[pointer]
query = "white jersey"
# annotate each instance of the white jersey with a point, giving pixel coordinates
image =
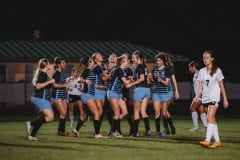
(195, 81)
(211, 90)
(74, 86)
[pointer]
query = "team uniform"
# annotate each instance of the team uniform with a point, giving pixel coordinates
(88, 90)
(141, 90)
(115, 88)
(74, 91)
(211, 90)
(41, 97)
(100, 93)
(160, 91)
(194, 113)
(59, 93)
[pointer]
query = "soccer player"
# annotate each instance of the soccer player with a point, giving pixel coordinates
(59, 94)
(160, 96)
(41, 99)
(211, 86)
(141, 93)
(74, 92)
(88, 77)
(101, 76)
(196, 106)
(114, 95)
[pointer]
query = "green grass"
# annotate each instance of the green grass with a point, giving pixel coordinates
(182, 146)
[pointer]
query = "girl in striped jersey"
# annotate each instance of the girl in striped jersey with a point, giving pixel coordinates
(59, 94)
(101, 76)
(114, 95)
(141, 93)
(88, 77)
(160, 96)
(41, 98)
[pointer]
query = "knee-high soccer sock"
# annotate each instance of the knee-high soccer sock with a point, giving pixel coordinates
(146, 123)
(114, 125)
(195, 118)
(96, 124)
(165, 123)
(119, 126)
(37, 125)
(79, 124)
(61, 125)
(33, 122)
(210, 130)
(157, 124)
(215, 133)
(135, 126)
(204, 119)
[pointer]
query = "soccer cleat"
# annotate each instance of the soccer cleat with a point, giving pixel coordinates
(158, 134)
(75, 132)
(63, 133)
(164, 132)
(30, 138)
(216, 145)
(148, 133)
(28, 128)
(116, 134)
(100, 136)
(205, 143)
(193, 129)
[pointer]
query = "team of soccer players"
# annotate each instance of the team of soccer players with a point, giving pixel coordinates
(97, 84)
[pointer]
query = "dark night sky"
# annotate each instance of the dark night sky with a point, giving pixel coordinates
(183, 27)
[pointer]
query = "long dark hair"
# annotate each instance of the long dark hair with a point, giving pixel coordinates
(194, 64)
(139, 55)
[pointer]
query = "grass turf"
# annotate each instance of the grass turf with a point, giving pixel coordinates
(182, 146)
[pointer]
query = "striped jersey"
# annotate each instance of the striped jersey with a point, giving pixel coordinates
(60, 78)
(98, 70)
(43, 93)
(116, 81)
(158, 87)
(88, 74)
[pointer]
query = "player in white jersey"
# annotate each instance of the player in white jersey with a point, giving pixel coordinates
(74, 92)
(211, 86)
(196, 106)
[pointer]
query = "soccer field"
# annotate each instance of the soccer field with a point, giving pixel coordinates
(182, 146)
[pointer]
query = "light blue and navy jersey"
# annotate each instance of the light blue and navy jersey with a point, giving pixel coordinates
(116, 81)
(88, 74)
(158, 87)
(141, 69)
(60, 78)
(110, 71)
(98, 70)
(43, 93)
